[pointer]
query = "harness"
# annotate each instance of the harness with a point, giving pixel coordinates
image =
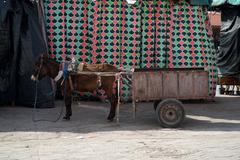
(66, 73)
(99, 81)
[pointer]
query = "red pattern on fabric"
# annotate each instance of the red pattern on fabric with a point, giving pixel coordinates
(122, 53)
(84, 31)
(94, 53)
(63, 30)
(115, 29)
(170, 53)
(149, 34)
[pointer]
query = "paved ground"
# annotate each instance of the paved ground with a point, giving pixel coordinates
(210, 131)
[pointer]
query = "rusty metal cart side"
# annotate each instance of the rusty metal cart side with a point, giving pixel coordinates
(170, 86)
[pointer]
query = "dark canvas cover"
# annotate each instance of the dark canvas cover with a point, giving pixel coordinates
(228, 59)
(21, 42)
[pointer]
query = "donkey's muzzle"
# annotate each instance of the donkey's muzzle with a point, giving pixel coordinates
(34, 78)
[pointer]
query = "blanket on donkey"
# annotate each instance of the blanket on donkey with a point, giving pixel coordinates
(96, 68)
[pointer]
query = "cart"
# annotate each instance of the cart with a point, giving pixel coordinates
(166, 88)
(229, 85)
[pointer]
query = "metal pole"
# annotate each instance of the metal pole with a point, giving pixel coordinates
(134, 109)
(118, 102)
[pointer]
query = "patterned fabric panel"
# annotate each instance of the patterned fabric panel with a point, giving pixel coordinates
(144, 35)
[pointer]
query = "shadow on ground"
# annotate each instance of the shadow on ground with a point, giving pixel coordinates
(221, 115)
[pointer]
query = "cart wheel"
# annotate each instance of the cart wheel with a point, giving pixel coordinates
(170, 113)
(238, 93)
(221, 90)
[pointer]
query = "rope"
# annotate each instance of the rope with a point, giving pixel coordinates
(35, 108)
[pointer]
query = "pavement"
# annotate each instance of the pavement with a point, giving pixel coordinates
(211, 130)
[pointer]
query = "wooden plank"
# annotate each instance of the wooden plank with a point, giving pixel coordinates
(154, 90)
(201, 85)
(181, 84)
(186, 84)
(170, 85)
(140, 85)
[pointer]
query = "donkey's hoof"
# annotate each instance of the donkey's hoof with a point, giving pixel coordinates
(67, 118)
(110, 119)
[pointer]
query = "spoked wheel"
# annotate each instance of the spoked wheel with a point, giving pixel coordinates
(170, 113)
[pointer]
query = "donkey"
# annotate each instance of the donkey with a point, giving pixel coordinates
(45, 66)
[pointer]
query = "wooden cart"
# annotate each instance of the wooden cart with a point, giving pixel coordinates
(229, 84)
(166, 87)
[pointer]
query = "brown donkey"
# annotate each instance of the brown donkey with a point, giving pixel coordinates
(78, 82)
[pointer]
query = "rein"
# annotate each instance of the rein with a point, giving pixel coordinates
(35, 108)
(41, 64)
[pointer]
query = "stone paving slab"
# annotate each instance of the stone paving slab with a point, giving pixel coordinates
(211, 130)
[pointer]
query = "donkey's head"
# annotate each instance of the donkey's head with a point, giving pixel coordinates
(42, 68)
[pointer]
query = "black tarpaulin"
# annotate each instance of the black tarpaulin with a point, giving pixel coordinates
(7, 56)
(228, 59)
(21, 42)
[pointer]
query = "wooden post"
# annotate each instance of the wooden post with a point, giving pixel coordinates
(118, 102)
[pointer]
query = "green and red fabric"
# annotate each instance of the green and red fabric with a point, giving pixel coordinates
(144, 35)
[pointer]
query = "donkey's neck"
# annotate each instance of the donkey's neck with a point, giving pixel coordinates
(54, 68)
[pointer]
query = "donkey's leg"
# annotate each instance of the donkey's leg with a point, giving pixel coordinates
(112, 112)
(68, 103)
(113, 100)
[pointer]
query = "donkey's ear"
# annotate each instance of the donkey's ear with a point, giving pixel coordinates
(67, 58)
